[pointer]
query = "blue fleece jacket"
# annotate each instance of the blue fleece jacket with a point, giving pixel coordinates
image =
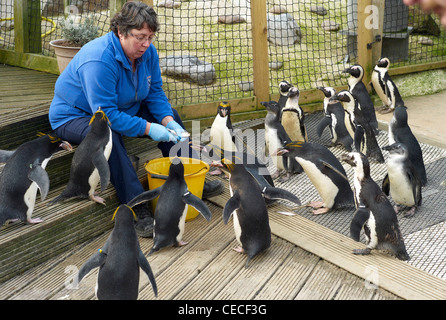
(100, 75)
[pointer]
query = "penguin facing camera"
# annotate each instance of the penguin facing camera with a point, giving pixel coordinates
(399, 131)
(359, 91)
(275, 138)
(325, 172)
(334, 118)
(249, 211)
(364, 139)
(119, 261)
(90, 162)
(384, 86)
(24, 173)
(374, 213)
(284, 87)
(402, 181)
(221, 133)
(171, 209)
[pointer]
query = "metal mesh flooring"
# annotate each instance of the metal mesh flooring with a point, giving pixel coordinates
(424, 233)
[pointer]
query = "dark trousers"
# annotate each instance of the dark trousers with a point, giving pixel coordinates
(122, 173)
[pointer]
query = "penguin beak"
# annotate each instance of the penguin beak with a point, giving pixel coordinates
(346, 70)
(280, 151)
(334, 98)
(66, 146)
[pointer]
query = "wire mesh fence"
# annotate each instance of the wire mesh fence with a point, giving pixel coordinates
(309, 42)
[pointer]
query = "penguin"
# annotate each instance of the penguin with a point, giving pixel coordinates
(364, 139)
(221, 133)
(275, 137)
(385, 87)
(359, 91)
(90, 162)
(119, 261)
(24, 173)
(334, 119)
(293, 117)
(325, 172)
(249, 211)
(399, 131)
(402, 180)
(374, 213)
(171, 209)
(284, 87)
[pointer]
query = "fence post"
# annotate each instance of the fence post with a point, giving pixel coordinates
(115, 6)
(27, 17)
(365, 37)
(260, 50)
(377, 46)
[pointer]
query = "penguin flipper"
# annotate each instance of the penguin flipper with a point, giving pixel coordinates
(386, 185)
(38, 175)
(360, 217)
(278, 193)
(145, 196)
(5, 155)
(197, 203)
(359, 137)
(101, 163)
(231, 205)
(334, 169)
(325, 122)
(145, 266)
(94, 261)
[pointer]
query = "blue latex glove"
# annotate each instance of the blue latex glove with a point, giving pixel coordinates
(159, 133)
(173, 125)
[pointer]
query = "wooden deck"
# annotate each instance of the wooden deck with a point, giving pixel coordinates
(305, 261)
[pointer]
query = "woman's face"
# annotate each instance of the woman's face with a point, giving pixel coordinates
(136, 42)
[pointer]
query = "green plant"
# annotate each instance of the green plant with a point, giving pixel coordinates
(79, 33)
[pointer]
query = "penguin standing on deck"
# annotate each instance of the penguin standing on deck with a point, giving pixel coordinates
(275, 137)
(284, 87)
(374, 212)
(359, 91)
(23, 174)
(119, 261)
(249, 211)
(385, 87)
(90, 162)
(402, 180)
(334, 119)
(365, 139)
(399, 131)
(171, 208)
(325, 172)
(221, 133)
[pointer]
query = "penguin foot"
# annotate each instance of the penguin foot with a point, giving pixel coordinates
(97, 199)
(362, 252)
(396, 208)
(181, 243)
(275, 175)
(239, 250)
(315, 204)
(410, 213)
(385, 110)
(285, 178)
(216, 172)
(33, 221)
(8, 222)
(321, 211)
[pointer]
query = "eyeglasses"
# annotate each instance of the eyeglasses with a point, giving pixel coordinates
(142, 38)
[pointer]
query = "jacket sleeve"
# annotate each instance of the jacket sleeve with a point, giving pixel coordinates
(99, 82)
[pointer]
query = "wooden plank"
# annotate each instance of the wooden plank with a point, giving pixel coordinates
(365, 36)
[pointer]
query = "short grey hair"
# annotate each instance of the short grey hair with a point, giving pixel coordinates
(134, 15)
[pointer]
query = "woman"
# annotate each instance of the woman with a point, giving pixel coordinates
(120, 73)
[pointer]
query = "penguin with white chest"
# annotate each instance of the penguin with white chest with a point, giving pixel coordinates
(119, 261)
(284, 87)
(374, 212)
(171, 208)
(221, 133)
(90, 162)
(23, 174)
(384, 86)
(364, 139)
(402, 181)
(359, 91)
(334, 119)
(399, 131)
(249, 211)
(325, 172)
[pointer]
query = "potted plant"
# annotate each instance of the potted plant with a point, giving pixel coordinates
(74, 36)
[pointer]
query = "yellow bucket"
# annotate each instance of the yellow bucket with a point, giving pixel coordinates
(194, 174)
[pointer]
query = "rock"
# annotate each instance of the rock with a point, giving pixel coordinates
(188, 67)
(7, 25)
(169, 4)
(422, 22)
(275, 65)
(278, 10)
(319, 10)
(283, 29)
(426, 41)
(330, 25)
(231, 19)
(246, 85)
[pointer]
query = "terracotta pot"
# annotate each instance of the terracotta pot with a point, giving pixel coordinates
(63, 53)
